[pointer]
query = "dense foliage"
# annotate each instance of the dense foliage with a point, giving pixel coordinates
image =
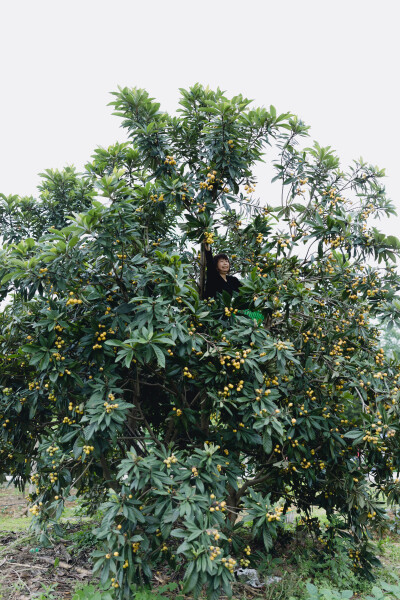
(119, 381)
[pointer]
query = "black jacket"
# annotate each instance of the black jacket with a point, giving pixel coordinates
(215, 283)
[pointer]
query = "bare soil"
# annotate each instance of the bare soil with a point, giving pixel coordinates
(25, 572)
(12, 503)
(25, 568)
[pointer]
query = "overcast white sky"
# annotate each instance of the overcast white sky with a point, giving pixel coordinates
(335, 64)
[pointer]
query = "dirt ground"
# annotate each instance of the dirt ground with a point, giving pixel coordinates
(26, 569)
(12, 503)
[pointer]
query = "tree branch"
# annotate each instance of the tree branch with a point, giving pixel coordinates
(258, 479)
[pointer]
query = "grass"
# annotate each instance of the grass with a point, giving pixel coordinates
(23, 523)
(15, 517)
(14, 523)
(13, 510)
(388, 549)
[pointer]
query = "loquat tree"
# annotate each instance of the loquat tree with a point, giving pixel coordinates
(123, 385)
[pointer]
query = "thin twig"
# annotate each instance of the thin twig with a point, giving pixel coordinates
(14, 564)
(83, 472)
(147, 425)
(21, 580)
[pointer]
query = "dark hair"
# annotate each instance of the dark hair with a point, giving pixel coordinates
(218, 257)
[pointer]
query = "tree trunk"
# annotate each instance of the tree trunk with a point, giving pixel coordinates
(204, 414)
(232, 504)
(202, 280)
(107, 475)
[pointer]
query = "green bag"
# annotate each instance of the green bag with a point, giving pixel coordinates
(253, 314)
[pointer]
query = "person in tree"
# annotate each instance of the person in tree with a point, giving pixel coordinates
(218, 279)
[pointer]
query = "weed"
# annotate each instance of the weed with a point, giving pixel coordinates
(47, 593)
(313, 593)
(89, 592)
(141, 593)
(82, 538)
(393, 589)
(289, 586)
(385, 591)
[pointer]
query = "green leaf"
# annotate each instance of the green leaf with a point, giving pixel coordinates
(267, 441)
(159, 355)
(190, 578)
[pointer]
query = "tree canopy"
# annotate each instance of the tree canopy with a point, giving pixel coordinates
(121, 384)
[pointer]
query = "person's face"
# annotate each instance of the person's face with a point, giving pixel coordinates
(223, 266)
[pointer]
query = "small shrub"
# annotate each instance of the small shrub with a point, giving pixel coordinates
(313, 593)
(89, 592)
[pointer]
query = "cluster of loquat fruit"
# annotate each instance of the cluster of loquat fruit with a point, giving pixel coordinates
(209, 183)
(52, 450)
(32, 385)
(76, 409)
(215, 551)
(282, 243)
(250, 188)
(155, 198)
(208, 237)
(59, 343)
(101, 337)
(355, 555)
(201, 207)
(229, 311)
(110, 407)
(229, 563)
(72, 300)
(187, 373)
(35, 510)
(170, 460)
(274, 516)
(216, 506)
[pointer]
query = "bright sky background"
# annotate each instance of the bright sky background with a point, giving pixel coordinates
(334, 64)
